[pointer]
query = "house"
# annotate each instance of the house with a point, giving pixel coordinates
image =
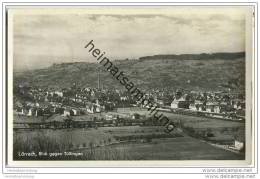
(53, 109)
(29, 112)
(46, 111)
(239, 145)
(20, 111)
(217, 109)
(59, 93)
(241, 105)
(66, 112)
(135, 116)
(226, 108)
(201, 108)
(212, 107)
(193, 107)
(199, 105)
(123, 98)
(180, 103)
(39, 111)
(98, 109)
(239, 141)
(94, 107)
(91, 108)
(74, 112)
(32, 112)
(110, 117)
(160, 102)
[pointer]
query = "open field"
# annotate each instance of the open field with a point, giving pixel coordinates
(221, 131)
(182, 148)
(67, 138)
(140, 143)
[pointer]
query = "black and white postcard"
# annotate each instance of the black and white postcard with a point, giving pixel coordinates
(130, 86)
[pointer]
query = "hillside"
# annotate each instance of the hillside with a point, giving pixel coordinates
(203, 72)
(202, 56)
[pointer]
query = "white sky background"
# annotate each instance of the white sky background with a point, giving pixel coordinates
(43, 37)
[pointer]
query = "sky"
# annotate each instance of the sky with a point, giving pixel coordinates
(42, 37)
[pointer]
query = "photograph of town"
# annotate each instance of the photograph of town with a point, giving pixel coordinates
(189, 63)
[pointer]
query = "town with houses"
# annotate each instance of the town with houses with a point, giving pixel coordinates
(36, 101)
(74, 107)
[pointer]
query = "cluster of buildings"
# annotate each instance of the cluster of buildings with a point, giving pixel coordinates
(37, 101)
(217, 102)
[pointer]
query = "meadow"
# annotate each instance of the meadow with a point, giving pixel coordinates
(180, 148)
(117, 143)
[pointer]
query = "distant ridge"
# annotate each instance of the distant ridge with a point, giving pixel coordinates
(217, 71)
(202, 56)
